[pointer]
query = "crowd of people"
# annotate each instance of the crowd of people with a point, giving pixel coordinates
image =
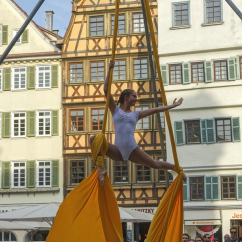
(207, 237)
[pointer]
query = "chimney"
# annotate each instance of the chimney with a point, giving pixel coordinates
(55, 31)
(49, 20)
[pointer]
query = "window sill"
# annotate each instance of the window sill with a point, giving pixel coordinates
(43, 88)
(180, 27)
(19, 90)
(75, 84)
(43, 136)
(211, 24)
(29, 190)
(118, 35)
(96, 37)
(19, 137)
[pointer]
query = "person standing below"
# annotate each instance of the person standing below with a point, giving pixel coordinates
(185, 237)
(233, 237)
(198, 239)
(207, 238)
(226, 236)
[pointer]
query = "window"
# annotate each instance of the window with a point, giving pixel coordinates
(121, 171)
(43, 123)
(240, 61)
(162, 177)
(162, 119)
(97, 119)
(192, 132)
(180, 14)
(143, 123)
(44, 173)
(19, 174)
(19, 124)
(141, 68)
(143, 174)
(76, 120)
(228, 187)
(119, 71)
(223, 130)
(237, 224)
(175, 72)
(76, 72)
(198, 72)
(104, 162)
(220, 70)
(97, 25)
(197, 188)
(44, 76)
(213, 11)
(7, 236)
(97, 71)
(121, 23)
(77, 171)
(1, 79)
(40, 236)
(1, 27)
(138, 23)
(19, 78)
(14, 33)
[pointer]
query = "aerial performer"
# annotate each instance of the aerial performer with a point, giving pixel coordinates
(124, 120)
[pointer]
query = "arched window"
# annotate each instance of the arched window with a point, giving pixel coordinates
(8, 236)
(39, 236)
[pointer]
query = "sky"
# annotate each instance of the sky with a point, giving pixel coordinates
(61, 8)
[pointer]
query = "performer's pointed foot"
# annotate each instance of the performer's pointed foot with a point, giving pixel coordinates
(101, 173)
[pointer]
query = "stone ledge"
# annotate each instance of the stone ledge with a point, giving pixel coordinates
(29, 190)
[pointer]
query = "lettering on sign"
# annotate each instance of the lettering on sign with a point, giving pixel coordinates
(237, 215)
(145, 210)
(199, 223)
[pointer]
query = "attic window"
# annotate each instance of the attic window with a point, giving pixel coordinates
(14, 33)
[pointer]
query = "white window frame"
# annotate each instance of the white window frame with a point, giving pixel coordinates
(37, 173)
(141, 107)
(15, 31)
(12, 124)
(205, 12)
(12, 173)
(173, 13)
(37, 123)
(9, 232)
(13, 72)
(1, 34)
(1, 75)
(37, 76)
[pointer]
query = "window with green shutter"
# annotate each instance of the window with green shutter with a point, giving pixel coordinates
(54, 76)
(164, 75)
(239, 187)
(232, 72)
(5, 35)
(186, 73)
(7, 79)
(6, 125)
(208, 71)
(236, 129)
(179, 132)
(6, 175)
(25, 36)
(31, 123)
(203, 131)
(208, 188)
(186, 190)
(31, 173)
(210, 131)
(55, 122)
(215, 188)
(55, 173)
(31, 77)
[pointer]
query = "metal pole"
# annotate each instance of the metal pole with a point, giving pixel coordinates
(233, 6)
(19, 33)
(154, 88)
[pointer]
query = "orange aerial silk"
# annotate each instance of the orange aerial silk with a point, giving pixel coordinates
(90, 212)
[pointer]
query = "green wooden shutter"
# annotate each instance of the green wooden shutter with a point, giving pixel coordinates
(31, 77)
(208, 71)
(25, 36)
(6, 125)
(232, 69)
(164, 75)
(186, 190)
(236, 129)
(5, 35)
(55, 122)
(239, 187)
(215, 188)
(236, 68)
(208, 188)
(31, 173)
(210, 131)
(7, 79)
(54, 76)
(6, 174)
(55, 173)
(203, 131)
(31, 123)
(179, 132)
(186, 73)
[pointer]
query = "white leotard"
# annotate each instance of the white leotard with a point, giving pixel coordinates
(124, 126)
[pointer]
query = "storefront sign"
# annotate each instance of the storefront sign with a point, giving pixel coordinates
(237, 215)
(146, 210)
(207, 222)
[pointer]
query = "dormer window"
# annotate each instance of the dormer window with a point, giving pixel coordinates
(14, 33)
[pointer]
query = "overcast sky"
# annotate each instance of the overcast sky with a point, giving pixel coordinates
(61, 8)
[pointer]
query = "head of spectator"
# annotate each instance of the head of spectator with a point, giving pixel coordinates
(240, 239)
(226, 236)
(191, 240)
(198, 239)
(233, 232)
(206, 238)
(215, 240)
(185, 237)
